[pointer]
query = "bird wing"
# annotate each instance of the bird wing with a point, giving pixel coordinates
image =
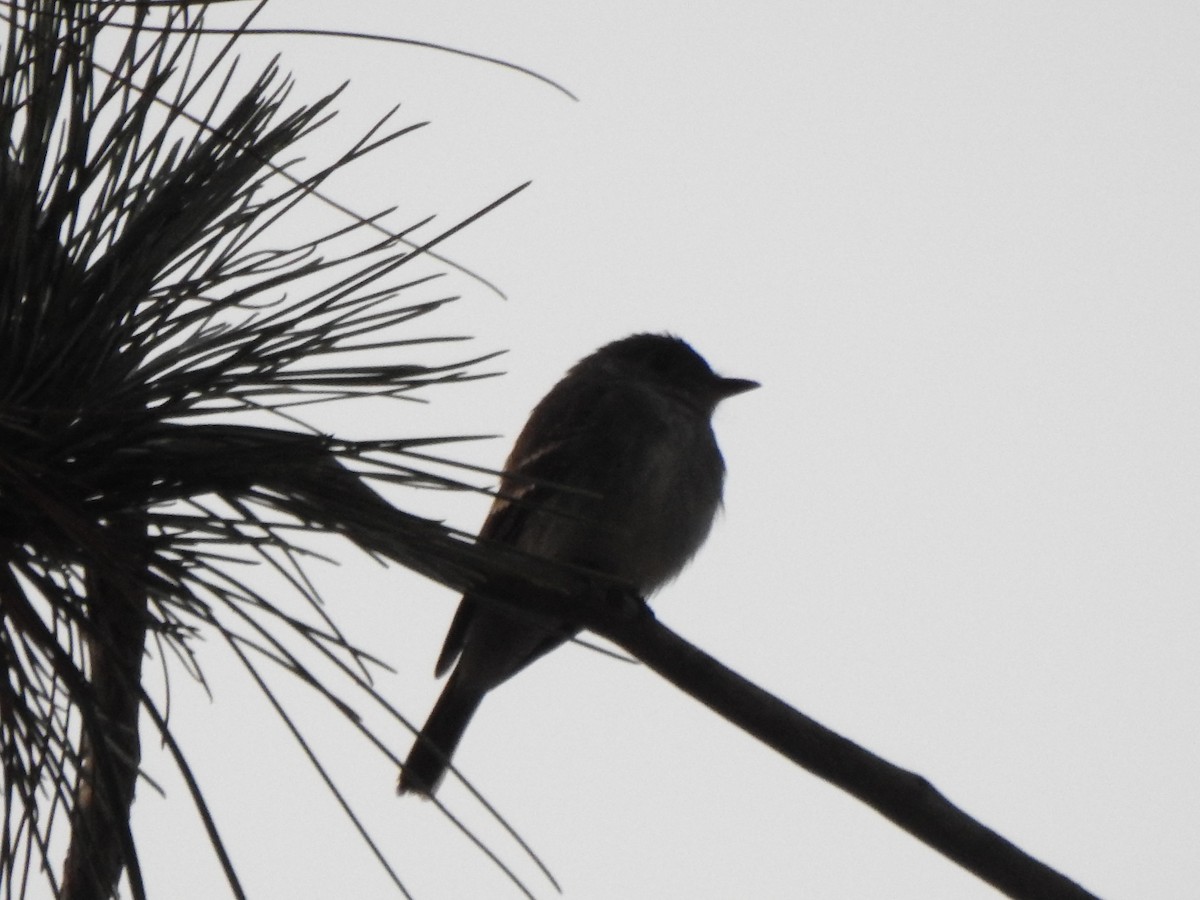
(561, 424)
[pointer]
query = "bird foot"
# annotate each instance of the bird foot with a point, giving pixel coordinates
(628, 604)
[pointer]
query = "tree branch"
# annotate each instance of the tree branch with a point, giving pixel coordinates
(101, 843)
(905, 798)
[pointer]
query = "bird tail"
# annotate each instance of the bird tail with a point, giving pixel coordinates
(430, 755)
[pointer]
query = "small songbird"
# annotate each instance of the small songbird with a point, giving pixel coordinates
(617, 471)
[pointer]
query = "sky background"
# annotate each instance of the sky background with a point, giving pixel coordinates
(957, 244)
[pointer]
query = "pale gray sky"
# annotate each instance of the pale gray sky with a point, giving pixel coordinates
(958, 245)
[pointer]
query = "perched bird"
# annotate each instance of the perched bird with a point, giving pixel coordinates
(617, 471)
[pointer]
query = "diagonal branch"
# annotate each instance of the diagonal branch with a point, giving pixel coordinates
(905, 798)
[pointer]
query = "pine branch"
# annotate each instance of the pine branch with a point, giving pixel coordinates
(102, 845)
(903, 797)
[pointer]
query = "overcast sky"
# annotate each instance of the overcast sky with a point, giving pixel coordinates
(957, 243)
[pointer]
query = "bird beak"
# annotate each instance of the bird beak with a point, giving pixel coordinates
(727, 387)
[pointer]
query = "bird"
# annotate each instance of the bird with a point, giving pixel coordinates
(617, 471)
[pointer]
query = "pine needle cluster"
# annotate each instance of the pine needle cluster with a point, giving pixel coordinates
(160, 345)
